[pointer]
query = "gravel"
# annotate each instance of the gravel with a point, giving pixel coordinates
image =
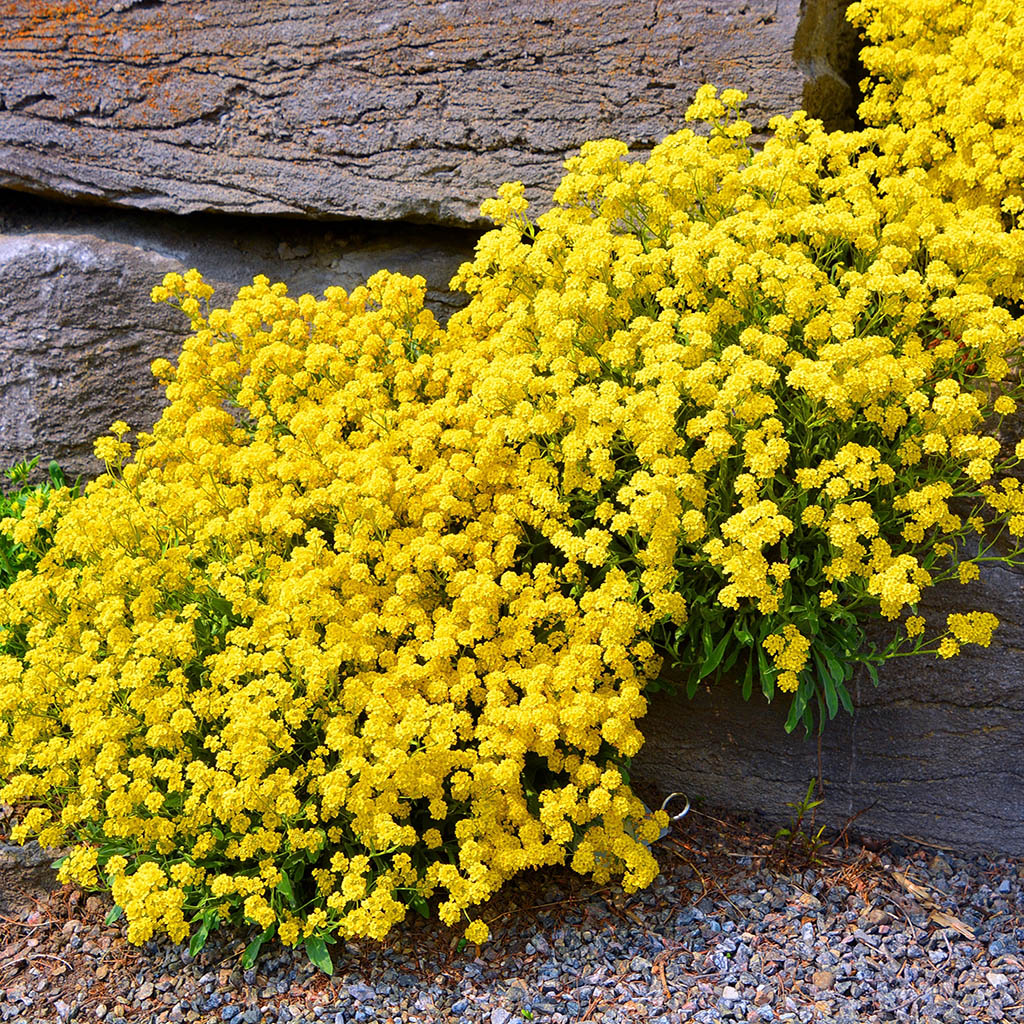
(735, 929)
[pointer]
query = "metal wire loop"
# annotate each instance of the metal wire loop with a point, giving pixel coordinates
(683, 812)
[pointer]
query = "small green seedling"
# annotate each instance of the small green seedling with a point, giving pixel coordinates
(808, 842)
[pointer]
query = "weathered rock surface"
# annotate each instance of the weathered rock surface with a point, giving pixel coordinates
(78, 331)
(25, 870)
(933, 753)
(77, 336)
(308, 256)
(402, 111)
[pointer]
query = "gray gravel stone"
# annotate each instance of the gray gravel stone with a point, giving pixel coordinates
(745, 955)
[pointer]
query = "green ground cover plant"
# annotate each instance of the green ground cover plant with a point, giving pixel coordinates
(14, 556)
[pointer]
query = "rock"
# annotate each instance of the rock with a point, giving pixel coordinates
(996, 980)
(403, 111)
(823, 980)
(361, 991)
(77, 335)
(875, 917)
(500, 1015)
(931, 754)
(144, 991)
(730, 994)
(25, 870)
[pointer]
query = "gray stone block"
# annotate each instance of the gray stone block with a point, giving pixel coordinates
(934, 753)
(77, 336)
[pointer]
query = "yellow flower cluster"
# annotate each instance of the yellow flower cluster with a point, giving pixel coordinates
(369, 615)
(944, 88)
(295, 634)
(789, 651)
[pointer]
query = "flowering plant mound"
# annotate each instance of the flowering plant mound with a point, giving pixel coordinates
(286, 666)
(369, 616)
(944, 87)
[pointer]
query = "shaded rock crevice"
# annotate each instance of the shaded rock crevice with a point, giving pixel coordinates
(825, 48)
(78, 331)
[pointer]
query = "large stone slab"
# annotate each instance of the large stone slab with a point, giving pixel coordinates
(934, 753)
(78, 331)
(76, 340)
(414, 110)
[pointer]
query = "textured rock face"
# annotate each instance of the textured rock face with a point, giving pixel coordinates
(933, 753)
(78, 331)
(406, 110)
(70, 351)
(25, 870)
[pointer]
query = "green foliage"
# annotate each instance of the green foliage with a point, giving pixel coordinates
(14, 556)
(801, 839)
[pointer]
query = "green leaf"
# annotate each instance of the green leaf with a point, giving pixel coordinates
(714, 657)
(252, 951)
(284, 887)
(731, 658)
(844, 697)
(57, 863)
(198, 940)
(809, 716)
(796, 709)
(748, 679)
(808, 720)
(316, 950)
(841, 671)
(419, 904)
(828, 685)
(767, 673)
(114, 914)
